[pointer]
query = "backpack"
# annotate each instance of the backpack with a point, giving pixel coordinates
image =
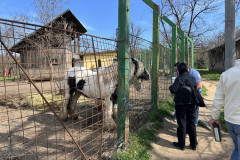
(185, 92)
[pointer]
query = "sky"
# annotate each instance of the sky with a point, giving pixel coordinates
(99, 17)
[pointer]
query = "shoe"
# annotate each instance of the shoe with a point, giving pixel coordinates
(177, 145)
(195, 147)
(175, 120)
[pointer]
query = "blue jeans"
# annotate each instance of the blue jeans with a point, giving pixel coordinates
(197, 111)
(197, 114)
(234, 131)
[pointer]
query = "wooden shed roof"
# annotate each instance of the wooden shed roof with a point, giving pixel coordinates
(67, 15)
(223, 44)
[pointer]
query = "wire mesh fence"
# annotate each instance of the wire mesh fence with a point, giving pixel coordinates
(58, 92)
(32, 112)
(140, 96)
(164, 73)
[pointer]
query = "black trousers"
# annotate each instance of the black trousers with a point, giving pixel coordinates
(186, 117)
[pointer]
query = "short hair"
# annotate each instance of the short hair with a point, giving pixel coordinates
(182, 68)
(176, 64)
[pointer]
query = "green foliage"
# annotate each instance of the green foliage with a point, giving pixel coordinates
(204, 90)
(209, 75)
(134, 151)
(9, 79)
(222, 121)
(142, 142)
(147, 135)
(200, 63)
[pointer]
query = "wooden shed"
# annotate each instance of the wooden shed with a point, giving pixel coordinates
(48, 53)
(216, 57)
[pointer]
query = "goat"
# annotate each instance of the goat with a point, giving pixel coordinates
(82, 81)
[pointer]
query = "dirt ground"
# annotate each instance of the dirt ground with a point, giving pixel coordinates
(207, 149)
(35, 133)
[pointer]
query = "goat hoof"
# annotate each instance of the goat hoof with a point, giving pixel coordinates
(75, 117)
(64, 119)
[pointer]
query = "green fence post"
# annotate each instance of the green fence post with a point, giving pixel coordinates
(164, 58)
(182, 44)
(155, 59)
(186, 50)
(145, 56)
(192, 54)
(174, 48)
(149, 58)
(174, 42)
(187, 39)
(123, 70)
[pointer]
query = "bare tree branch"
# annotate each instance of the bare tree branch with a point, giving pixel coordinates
(47, 10)
(189, 15)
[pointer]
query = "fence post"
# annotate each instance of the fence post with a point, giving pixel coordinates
(155, 59)
(174, 42)
(182, 44)
(174, 48)
(186, 50)
(164, 58)
(192, 52)
(123, 71)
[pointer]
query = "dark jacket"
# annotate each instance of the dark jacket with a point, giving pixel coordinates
(178, 83)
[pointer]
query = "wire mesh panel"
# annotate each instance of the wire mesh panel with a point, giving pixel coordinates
(140, 89)
(58, 91)
(52, 83)
(164, 73)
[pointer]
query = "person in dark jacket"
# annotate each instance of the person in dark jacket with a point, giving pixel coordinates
(185, 111)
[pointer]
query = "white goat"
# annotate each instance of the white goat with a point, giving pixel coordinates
(82, 81)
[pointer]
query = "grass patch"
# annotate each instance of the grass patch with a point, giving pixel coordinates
(9, 79)
(204, 90)
(134, 150)
(222, 121)
(210, 75)
(56, 101)
(140, 143)
(37, 102)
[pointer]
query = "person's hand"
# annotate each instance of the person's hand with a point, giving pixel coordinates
(213, 121)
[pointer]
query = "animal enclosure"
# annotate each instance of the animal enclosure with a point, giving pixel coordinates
(32, 96)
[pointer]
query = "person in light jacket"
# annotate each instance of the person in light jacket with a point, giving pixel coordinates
(228, 96)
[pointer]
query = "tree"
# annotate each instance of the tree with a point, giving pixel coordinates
(237, 6)
(134, 38)
(188, 15)
(47, 10)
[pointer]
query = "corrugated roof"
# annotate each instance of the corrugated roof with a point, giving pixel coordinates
(67, 15)
(222, 45)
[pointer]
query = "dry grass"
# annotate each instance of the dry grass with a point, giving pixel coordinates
(36, 101)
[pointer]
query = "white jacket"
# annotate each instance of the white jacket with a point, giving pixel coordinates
(228, 95)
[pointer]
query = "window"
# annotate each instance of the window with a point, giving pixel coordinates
(55, 61)
(99, 63)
